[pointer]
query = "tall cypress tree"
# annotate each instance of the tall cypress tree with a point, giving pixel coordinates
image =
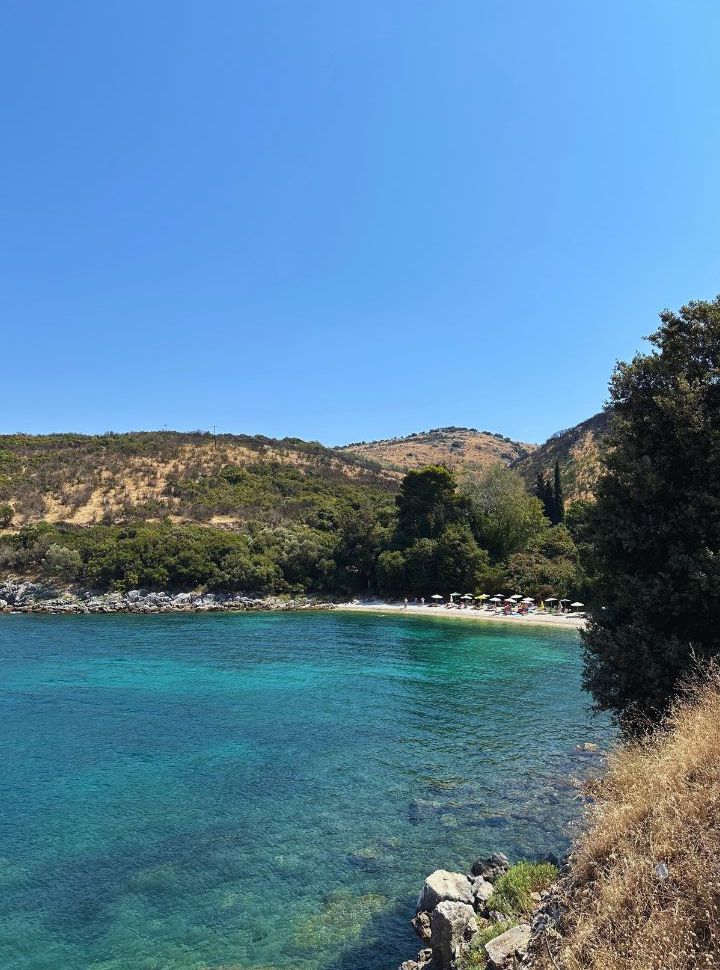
(544, 491)
(558, 499)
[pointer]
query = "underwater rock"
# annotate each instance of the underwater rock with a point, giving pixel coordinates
(421, 808)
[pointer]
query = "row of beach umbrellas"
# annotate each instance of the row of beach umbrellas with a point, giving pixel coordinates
(499, 598)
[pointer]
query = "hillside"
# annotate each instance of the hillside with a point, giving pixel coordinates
(578, 451)
(86, 479)
(456, 448)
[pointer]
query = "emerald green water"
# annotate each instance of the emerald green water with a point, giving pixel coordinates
(267, 791)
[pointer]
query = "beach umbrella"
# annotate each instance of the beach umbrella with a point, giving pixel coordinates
(528, 599)
(482, 596)
(564, 601)
(576, 605)
(495, 599)
(467, 596)
(437, 596)
(551, 599)
(516, 596)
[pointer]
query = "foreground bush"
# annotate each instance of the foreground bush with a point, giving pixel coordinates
(643, 892)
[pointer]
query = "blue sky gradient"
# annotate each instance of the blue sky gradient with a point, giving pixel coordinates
(347, 220)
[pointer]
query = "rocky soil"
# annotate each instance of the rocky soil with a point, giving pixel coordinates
(455, 908)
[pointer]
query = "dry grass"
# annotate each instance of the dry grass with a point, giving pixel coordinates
(643, 891)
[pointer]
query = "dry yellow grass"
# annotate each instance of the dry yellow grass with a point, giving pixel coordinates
(643, 891)
(457, 448)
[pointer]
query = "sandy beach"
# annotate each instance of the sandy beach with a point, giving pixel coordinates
(567, 620)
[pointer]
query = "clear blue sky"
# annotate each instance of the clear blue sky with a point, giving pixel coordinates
(345, 220)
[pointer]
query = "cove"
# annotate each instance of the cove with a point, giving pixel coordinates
(258, 791)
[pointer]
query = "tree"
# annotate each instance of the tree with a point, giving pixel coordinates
(655, 528)
(6, 515)
(548, 566)
(390, 571)
(426, 503)
(558, 515)
(62, 563)
(503, 515)
(544, 492)
(461, 564)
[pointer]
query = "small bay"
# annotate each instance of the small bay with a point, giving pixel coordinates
(258, 791)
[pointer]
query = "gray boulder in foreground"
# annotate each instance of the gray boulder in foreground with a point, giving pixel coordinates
(444, 886)
(453, 926)
(501, 951)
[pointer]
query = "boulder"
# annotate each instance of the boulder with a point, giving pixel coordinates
(453, 925)
(482, 890)
(421, 925)
(491, 868)
(424, 959)
(444, 886)
(502, 950)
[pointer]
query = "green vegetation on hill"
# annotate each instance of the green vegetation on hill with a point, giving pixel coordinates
(278, 518)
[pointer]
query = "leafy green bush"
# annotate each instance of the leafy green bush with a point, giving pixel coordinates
(475, 958)
(512, 891)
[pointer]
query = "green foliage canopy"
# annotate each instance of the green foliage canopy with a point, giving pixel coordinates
(655, 528)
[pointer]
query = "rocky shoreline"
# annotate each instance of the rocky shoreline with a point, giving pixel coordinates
(460, 929)
(18, 596)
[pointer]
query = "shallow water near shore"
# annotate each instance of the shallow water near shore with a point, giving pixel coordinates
(258, 791)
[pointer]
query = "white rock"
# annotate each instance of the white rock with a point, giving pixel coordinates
(442, 885)
(501, 950)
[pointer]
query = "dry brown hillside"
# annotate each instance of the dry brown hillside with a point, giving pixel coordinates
(577, 449)
(85, 479)
(457, 448)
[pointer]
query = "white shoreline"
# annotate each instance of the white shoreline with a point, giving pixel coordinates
(567, 620)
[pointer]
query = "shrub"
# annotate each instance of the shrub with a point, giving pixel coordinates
(512, 891)
(475, 958)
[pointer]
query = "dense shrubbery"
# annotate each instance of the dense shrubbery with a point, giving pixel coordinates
(318, 535)
(294, 518)
(164, 555)
(488, 531)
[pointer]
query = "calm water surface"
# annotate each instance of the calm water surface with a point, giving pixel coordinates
(267, 791)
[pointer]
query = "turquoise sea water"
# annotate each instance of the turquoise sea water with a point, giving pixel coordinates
(267, 791)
